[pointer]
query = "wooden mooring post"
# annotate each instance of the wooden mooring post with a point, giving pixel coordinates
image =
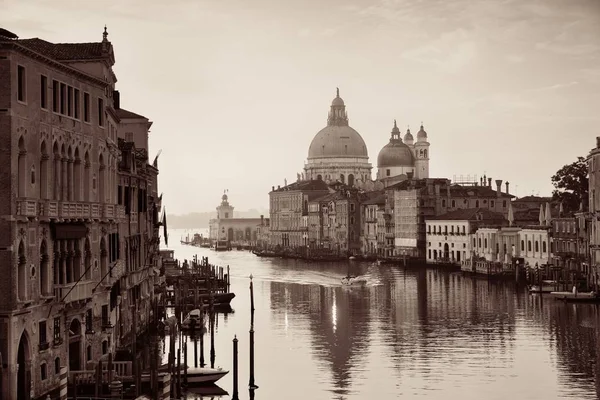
(235, 369)
(251, 383)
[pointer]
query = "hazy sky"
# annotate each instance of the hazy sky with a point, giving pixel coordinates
(237, 89)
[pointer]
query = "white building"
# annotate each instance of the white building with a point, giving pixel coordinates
(594, 209)
(534, 245)
(449, 236)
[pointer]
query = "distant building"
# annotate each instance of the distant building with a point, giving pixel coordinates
(263, 233)
(233, 230)
(287, 206)
(594, 210)
(449, 235)
(371, 207)
(415, 200)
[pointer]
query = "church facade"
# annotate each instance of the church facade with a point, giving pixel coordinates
(226, 227)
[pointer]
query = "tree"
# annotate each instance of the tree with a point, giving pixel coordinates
(571, 185)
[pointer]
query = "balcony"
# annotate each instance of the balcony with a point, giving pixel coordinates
(109, 211)
(49, 209)
(27, 207)
(134, 278)
(74, 210)
(81, 291)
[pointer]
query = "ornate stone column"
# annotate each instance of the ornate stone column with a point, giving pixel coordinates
(65, 177)
(70, 181)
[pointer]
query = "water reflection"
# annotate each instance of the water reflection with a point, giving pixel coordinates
(408, 333)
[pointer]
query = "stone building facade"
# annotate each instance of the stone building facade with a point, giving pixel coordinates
(593, 161)
(287, 207)
(59, 231)
(415, 200)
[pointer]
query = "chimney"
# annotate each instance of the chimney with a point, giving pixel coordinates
(278, 187)
(498, 187)
(116, 99)
(598, 142)
(507, 187)
(489, 182)
(272, 188)
(262, 219)
(409, 174)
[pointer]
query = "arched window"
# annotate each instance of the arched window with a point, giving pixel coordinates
(342, 178)
(351, 180)
(529, 245)
(44, 270)
(544, 247)
(476, 203)
(522, 245)
(22, 275)
(77, 176)
(101, 179)
(56, 172)
(44, 159)
(537, 246)
(87, 166)
(22, 171)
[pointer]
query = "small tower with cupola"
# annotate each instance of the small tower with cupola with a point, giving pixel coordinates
(421, 149)
(225, 210)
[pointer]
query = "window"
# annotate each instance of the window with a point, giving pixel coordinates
(42, 333)
(21, 84)
(504, 204)
(453, 203)
(387, 172)
(43, 92)
(351, 220)
(89, 353)
(492, 203)
(104, 347)
(476, 203)
(86, 107)
(522, 245)
(537, 246)
(57, 365)
(443, 203)
(69, 101)
(105, 316)
(76, 103)
(55, 96)
(529, 245)
(351, 207)
(63, 98)
(544, 247)
(100, 112)
(89, 326)
(43, 372)
(57, 329)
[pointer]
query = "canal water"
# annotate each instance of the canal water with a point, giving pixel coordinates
(408, 333)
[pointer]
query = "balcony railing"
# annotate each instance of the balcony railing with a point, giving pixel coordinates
(70, 209)
(27, 207)
(81, 291)
(134, 278)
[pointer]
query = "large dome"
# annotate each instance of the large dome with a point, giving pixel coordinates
(337, 139)
(395, 153)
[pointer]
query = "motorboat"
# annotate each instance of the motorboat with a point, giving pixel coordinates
(545, 287)
(354, 280)
(199, 376)
(195, 319)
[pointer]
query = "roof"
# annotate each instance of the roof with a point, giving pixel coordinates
(375, 197)
(65, 51)
(124, 114)
(476, 191)
(534, 199)
(471, 214)
(316, 184)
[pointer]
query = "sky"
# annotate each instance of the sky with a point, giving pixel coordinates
(237, 89)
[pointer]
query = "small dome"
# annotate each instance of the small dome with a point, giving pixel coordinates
(422, 134)
(395, 153)
(408, 137)
(224, 197)
(337, 101)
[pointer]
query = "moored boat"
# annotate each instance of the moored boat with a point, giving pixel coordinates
(546, 287)
(576, 297)
(194, 320)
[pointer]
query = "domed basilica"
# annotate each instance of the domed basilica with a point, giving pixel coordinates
(339, 153)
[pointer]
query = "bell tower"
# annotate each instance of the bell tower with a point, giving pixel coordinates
(224, 210)
(421, 149)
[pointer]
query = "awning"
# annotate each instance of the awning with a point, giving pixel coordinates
(69, 231)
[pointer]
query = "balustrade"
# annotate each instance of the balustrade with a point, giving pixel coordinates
(81, 291)
(27, 207)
